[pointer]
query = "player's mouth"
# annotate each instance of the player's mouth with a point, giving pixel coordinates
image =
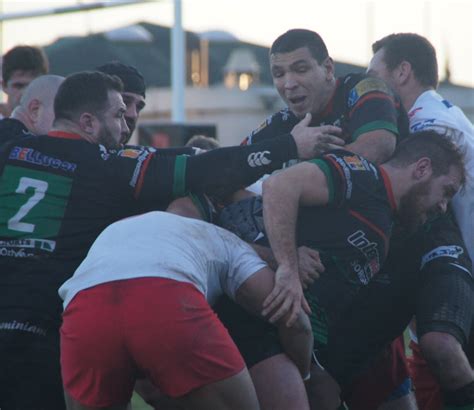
(297, 101)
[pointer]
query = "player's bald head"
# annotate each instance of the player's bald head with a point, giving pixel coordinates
(42, 88)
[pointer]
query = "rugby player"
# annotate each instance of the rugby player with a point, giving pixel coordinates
(351, 232)
(159, 271)
(133, 94)
(35, 113)
(434, 281)
(20, 66)
(369, 115)
(364, 108)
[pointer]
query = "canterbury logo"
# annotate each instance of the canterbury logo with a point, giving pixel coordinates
(257, 159)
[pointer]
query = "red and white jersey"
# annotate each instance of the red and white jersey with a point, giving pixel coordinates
(164, 245)
(431, 111)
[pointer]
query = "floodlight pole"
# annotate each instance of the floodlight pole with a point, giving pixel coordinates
(178, 66)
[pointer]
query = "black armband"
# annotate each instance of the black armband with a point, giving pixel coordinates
(446, 302)
(464, 396)
(225, 170)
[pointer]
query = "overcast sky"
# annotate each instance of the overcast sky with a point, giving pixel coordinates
(348, 26)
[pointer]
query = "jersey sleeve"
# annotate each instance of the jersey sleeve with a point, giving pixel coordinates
(275, 125)
(372, 106)
(155, 179)
(445, 302)
(152, 179)
(350, 178)
(222, 171)
(243, 261)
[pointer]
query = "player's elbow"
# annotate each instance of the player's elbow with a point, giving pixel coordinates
(439, 347)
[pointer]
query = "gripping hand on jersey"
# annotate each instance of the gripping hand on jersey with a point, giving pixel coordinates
(286, 298)
(313, 141)
(310, 265)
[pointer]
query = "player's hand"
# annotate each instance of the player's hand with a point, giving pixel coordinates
(313, 141)
(309, 265)
(285, 298)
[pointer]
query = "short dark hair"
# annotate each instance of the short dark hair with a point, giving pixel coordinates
(415, 49)
(24, 58)
(298, 38)
(440, 148)
(132, 79)
(86, 91)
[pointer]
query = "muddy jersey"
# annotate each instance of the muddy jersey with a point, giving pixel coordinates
(58, 192)
(432, 111)
(164, 245)
(359, 104)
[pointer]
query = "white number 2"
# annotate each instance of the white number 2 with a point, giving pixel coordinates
(40, 188)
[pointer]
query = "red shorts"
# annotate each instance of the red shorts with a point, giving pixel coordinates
(153, 327)
(377, 383)
(427, 389)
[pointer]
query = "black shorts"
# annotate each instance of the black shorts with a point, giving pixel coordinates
(30, 375)
(255, 338)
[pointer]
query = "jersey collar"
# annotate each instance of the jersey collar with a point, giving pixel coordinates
(388, 187)
(64, 135)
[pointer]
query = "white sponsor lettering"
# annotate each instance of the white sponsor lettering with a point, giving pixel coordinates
(371, 254)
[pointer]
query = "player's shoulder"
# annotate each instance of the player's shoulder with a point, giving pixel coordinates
(361, 85)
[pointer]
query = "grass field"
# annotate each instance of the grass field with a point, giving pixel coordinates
(139, 404)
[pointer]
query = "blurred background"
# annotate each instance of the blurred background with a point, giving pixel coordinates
(227, 87)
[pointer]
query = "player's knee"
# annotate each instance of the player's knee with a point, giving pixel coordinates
(437, 347)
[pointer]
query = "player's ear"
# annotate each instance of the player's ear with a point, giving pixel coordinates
(88, 123)
(33, 109)
(328, 65)
(423, 169)
(403, 72)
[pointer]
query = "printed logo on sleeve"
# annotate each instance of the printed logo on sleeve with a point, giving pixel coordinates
(366, 86)
(258, 159)
(452, 251)
(356, 163)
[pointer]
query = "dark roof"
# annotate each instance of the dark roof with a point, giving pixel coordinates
(153, 58)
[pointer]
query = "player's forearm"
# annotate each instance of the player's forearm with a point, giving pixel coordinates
(280, 212)
(376, 146)
(297, 342)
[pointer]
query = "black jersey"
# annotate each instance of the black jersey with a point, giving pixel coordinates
(359, 104)
(58, 192)
(11, 128)
(351, 233)
(427, 274)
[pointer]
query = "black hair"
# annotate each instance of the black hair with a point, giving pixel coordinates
(298, 38)
(415, 49)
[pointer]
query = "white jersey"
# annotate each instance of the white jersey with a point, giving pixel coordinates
(431, 111)
(164, 245)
